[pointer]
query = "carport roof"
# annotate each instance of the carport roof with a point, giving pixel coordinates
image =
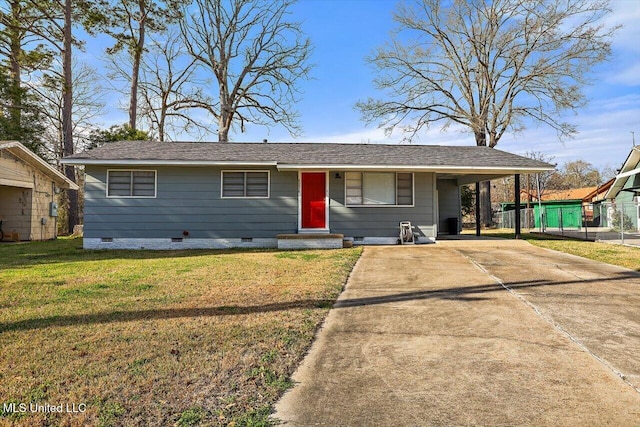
(630, 168)
(301, 156)
(27, 156)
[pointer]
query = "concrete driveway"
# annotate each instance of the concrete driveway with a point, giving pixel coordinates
(484, 332)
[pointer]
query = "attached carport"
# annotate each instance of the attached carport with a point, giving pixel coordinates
(455, 177)
(28, 193)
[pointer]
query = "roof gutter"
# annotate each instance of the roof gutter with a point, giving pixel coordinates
(132, 162)
(422, 168)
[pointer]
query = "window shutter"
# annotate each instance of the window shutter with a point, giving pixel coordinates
(354, 188)
(245, 184)
(405, 188)
(119, 183)
(144, 184)
(233, 184)
(128, 183)
(257, 184)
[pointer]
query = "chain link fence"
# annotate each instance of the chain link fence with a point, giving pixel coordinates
(617, 223)
(507, 219)
(606, 221)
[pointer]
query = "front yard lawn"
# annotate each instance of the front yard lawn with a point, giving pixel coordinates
(156, 338)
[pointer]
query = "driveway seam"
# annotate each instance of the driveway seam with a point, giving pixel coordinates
(550, 320)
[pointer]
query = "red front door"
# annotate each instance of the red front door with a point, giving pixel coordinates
(314, 207)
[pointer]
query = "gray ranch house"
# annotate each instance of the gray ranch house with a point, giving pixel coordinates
(174, 195)
(625, 191)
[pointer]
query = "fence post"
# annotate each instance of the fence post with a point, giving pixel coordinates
(622, 223)
(517, 200)
(584, 221)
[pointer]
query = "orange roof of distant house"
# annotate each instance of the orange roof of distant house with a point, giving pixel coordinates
(571, 194)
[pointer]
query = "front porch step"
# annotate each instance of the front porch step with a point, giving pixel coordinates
(310, 241)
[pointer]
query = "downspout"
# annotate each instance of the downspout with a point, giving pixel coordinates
(517, 196)
(478, 208)
(539, 203)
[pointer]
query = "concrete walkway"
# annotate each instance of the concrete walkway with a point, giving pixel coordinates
(486, 332)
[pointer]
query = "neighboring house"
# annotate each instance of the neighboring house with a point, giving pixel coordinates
(28, 188)
(214, 195)
(592, 204)
(625, 191)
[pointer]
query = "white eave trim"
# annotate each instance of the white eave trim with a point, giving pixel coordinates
(618, 184)
(162, 163)
(422, 168)
(626, 172)
(629, 173)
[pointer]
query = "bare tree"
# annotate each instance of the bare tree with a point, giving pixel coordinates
(489, 66)
(86, 106)
(256, 57)
(170, 89)
(575, 174)
(130, 22)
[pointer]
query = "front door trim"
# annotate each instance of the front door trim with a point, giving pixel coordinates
(326, 228)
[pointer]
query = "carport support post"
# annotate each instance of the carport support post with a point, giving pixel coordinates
(477, 208)
(517, 198)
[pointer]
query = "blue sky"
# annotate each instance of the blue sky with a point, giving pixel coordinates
(344, 32)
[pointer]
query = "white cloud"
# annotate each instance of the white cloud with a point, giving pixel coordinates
(628, 76)
(627, 14)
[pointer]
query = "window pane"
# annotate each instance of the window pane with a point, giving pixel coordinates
(257, 184)
(233, 184)
(354, 188)
(379, 188)
(405, 188)
(144, 183)
(119, 183)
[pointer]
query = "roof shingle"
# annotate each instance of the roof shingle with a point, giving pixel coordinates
(307, 154)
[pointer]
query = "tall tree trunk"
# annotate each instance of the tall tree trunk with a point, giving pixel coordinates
(223, 133)
(224, 121)
(15, 69)
(161, 122)
(486, 217)
(135, 71)
(67, 124)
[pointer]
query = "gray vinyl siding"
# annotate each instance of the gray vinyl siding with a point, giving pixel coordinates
(627, 196)
(368, 221)
(448, 203)
(625, 199)
(188, 199)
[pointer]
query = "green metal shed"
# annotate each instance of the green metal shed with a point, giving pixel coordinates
(559, 214)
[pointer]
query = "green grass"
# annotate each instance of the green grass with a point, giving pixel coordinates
(623, 256)
(158, 338)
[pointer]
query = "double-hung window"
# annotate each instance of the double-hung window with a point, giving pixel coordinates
(379, 189)
(245, 184)
(131, 183)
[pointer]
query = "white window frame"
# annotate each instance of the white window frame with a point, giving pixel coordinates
(155, 184)
(396, 205)
(245, 171)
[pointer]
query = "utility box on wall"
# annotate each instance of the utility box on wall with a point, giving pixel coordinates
(53, 209)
